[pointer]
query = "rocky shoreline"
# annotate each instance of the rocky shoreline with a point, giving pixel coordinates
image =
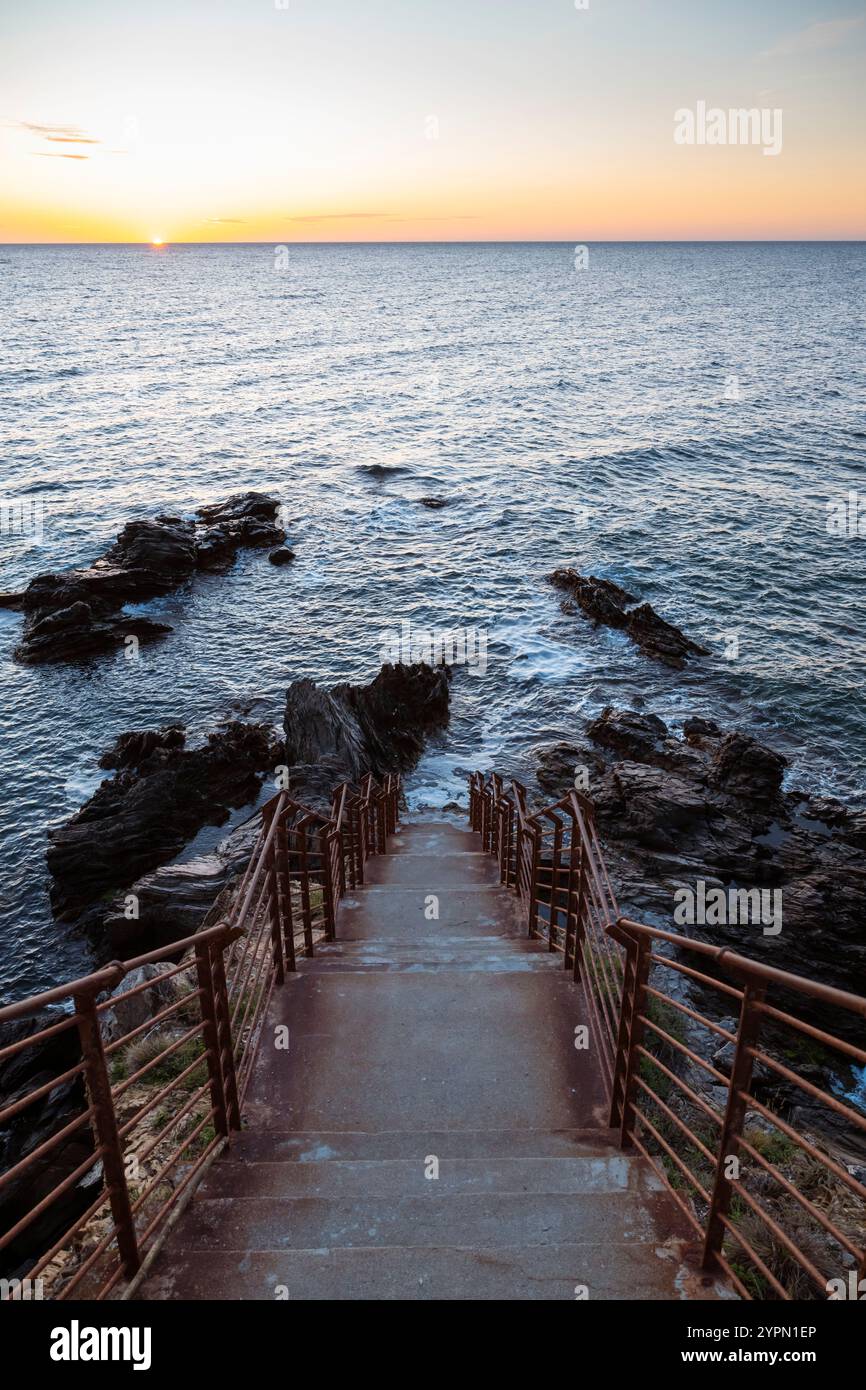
(709, 806)
(120, 847)
(81, 612)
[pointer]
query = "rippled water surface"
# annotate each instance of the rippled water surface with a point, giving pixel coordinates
(571, 417)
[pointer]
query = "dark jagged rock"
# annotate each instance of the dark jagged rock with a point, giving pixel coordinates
(342, 733)
(281, 557)
(242, 509)
(80, 612)
(132, 749)
(744, 767)
(434, 503)
(695, 730)
(606, 603)
(82, 630)
(712, 807)
(21, 1074)
(557, 764)
(628, 733)
(160, 798)
(327, 743)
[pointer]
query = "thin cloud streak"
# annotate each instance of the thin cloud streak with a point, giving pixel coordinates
(339, 216)
(825, 34)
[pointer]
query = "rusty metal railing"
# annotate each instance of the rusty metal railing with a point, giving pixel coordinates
(152, 1079)
(775, 1208)
(553, 861)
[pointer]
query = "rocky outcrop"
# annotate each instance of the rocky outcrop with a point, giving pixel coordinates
(80, 612)
(340, 734)
(611, 606)
(559, 767)
(175, 900)
(711, 806)
(160, 797)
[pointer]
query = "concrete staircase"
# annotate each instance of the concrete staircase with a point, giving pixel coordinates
(431, 1131)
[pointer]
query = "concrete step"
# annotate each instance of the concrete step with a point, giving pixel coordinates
(463, 1220)
(403, 914)
(316, 1146)
(433, 837)
(456, 955)
(440, 871)
(608, 1270)
(439, 943)
(426, 1050)
(361, 1180)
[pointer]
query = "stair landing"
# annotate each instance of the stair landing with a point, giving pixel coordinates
(431, 1131)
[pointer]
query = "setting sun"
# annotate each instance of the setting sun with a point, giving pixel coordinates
(157, 241)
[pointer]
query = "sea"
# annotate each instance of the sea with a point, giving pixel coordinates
(685, 419)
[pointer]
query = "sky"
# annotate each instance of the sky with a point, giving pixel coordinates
(427, 120)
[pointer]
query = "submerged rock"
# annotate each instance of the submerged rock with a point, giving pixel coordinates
(80, 612)
(281, 557)
(160, 797)
(606, 603)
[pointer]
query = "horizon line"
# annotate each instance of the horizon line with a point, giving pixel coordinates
(476, 241)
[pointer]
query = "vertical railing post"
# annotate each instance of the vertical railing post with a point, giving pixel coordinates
(735, 1114)
(382, 816)
(306, 910)
(555, 870)
(210, 1036)
(631, 1031)
(329, 896)
(285, 881)
(570, 952)
(505, 813)
(580, 913)
(107, 1136)
(225, 1042)
(534, 864)
(275, 907)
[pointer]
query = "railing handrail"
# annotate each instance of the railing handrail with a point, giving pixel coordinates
(746, 965)
(204, 1040)
(552, 858)
(107, 977)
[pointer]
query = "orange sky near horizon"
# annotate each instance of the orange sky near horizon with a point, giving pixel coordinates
(517, 121)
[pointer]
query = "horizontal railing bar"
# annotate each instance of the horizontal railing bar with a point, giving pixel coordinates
(818, 1034)
(697, 975)
(674, 1157)
(693, 1096)
(24, 1101)
(807, 1146)
(792, 1191)
(82, 1118)
(686, 1051)
(815, 1091)
(754, 970)
(753, 1255)
(678, 1121)
(691, 1013)
(174, 1007)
